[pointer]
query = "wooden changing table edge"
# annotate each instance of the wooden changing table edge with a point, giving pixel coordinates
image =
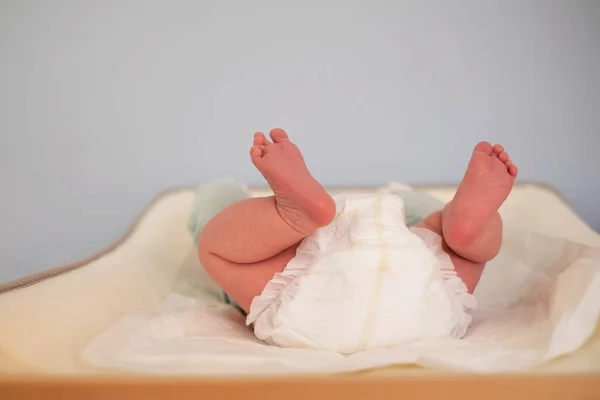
(462, 387)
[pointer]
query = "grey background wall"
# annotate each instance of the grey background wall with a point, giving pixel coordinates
(104, 104)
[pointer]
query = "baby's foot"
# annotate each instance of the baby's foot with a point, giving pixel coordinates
(486, 185)
(301, 200)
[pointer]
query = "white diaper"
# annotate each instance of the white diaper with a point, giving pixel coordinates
(364, 282)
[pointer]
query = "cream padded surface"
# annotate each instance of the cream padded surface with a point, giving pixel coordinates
(44, 326)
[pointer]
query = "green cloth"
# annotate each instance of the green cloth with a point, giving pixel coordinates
(210, 200)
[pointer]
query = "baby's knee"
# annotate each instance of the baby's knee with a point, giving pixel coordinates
(202, 248)
(475, 245)
(204, 245)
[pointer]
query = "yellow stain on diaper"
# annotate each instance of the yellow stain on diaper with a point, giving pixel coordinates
(383, 267)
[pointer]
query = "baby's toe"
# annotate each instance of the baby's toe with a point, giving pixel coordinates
(260, 139)
(503, 156)
(256, 152)
(484, 147)
(278, 135)
(498, 148)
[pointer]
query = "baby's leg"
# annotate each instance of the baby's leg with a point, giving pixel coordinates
(470, 225)
(468, 271)
(247, 243)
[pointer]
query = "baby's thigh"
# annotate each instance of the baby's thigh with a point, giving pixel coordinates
(243, 282)
(469, 271)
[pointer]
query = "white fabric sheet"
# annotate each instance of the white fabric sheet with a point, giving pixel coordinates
(539, 299)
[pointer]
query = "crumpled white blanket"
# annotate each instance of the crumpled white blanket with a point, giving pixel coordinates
(538, 300)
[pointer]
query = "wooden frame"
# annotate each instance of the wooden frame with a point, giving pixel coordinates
(462, 387)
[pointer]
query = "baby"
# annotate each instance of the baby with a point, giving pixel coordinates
(259, 248)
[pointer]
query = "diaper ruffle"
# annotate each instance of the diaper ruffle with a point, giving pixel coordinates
(276, 289)
(455, 286)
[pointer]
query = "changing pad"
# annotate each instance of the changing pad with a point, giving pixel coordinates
(54, 315)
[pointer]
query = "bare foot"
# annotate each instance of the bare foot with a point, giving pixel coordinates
(486, 185)
(301, 200)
